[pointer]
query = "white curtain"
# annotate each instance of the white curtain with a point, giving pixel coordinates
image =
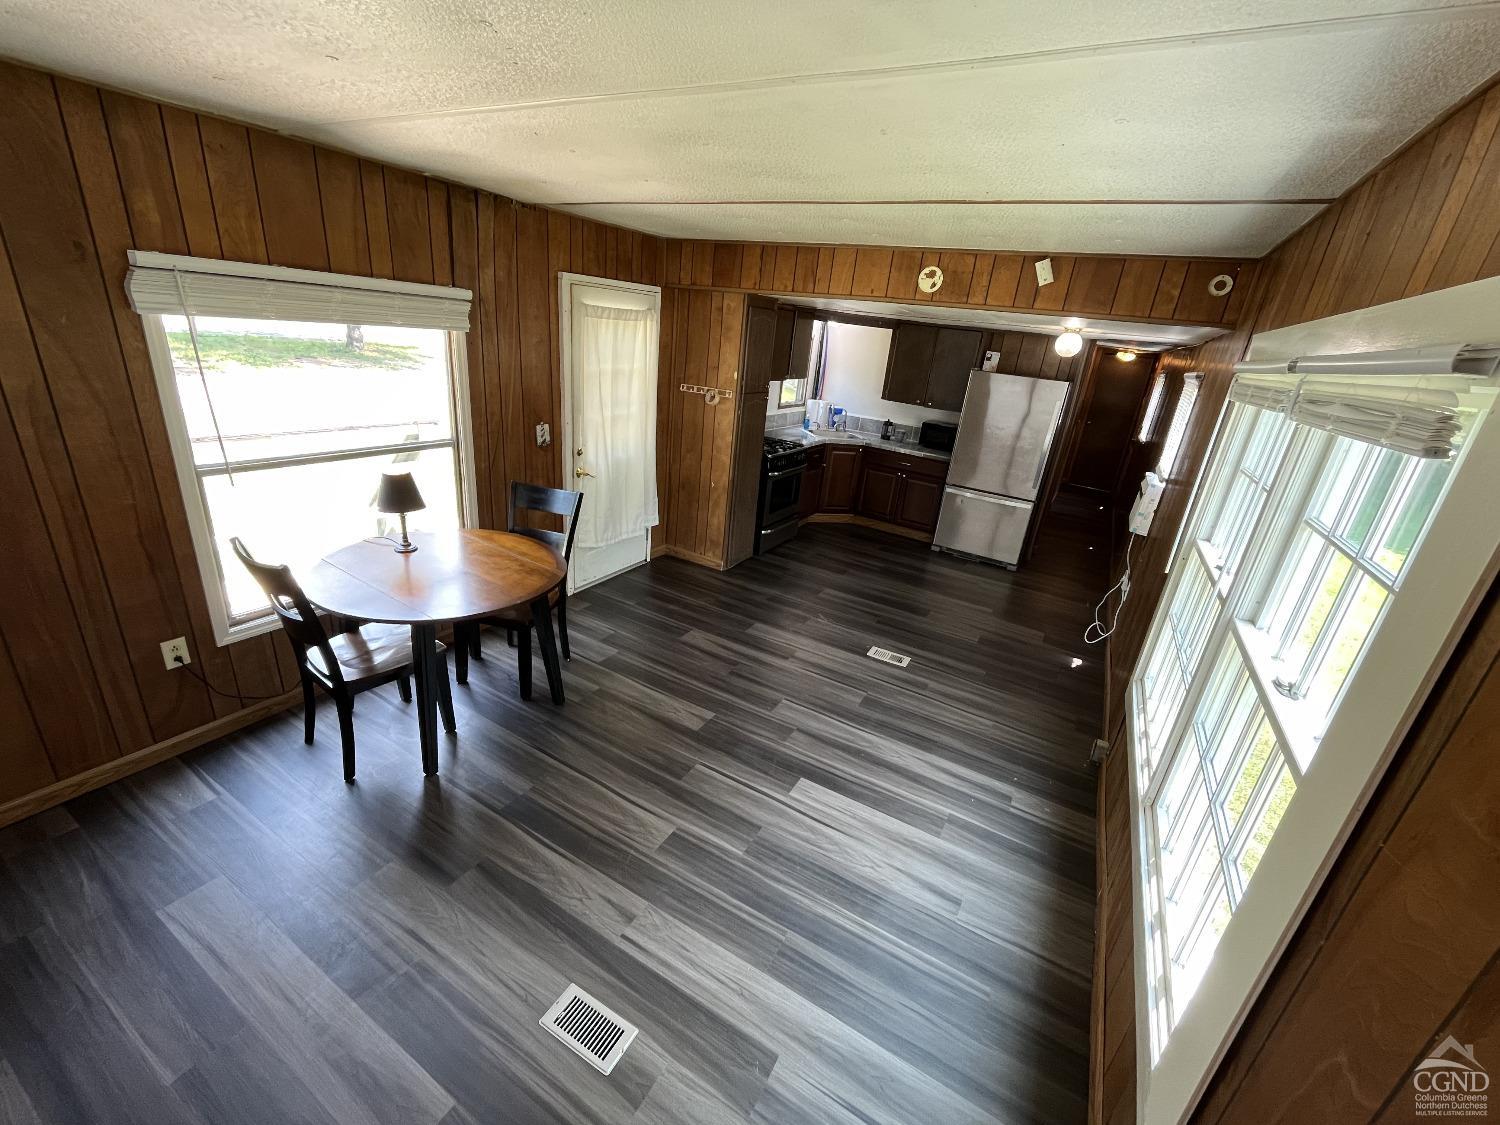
(615, 422)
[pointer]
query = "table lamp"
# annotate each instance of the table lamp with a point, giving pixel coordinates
(398, 493)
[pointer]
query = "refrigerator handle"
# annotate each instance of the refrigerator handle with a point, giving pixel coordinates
(1041, 465)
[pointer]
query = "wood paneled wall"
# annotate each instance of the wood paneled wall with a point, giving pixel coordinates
(103, 568)
(1397, 951)
(701, 343)
(1165, 289)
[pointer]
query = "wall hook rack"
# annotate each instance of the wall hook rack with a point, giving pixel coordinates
(710, 395)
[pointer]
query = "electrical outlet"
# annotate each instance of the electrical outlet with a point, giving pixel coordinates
(543, 434)
(174, 653)
(1044, 272)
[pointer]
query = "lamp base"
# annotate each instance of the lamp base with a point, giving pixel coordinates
(406, 546)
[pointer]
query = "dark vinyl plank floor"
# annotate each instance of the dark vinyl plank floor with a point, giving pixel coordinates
(826, 889)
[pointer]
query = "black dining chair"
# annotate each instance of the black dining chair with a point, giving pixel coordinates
(344, 663)
(517, 621)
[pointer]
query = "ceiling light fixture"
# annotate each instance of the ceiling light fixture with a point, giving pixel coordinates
(1125, 355)
(1069, 344)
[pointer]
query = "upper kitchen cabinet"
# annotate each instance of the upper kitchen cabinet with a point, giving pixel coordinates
(909, 363)
(803, 336)
(954, 356)
(781, 348)
(929, 366)
(761, 322)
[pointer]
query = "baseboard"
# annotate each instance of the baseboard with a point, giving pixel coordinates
(866, 521)
(78, 784)
(690, 556)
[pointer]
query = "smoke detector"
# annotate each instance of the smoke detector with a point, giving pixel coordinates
(930, 280)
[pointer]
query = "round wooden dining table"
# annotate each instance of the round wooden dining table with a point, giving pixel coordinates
(452, 576)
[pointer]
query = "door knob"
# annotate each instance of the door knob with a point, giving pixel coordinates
(582, 473)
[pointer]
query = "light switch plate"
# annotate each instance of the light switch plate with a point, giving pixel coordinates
(1044, 272)
(543, 434)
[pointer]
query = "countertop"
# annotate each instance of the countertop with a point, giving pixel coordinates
(809, 438)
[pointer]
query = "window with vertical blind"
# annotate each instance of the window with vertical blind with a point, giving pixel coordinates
(1319, 504)
(1182, 414)
(286, 393)
(1152, 412)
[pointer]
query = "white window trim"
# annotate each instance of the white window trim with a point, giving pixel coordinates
(1440, 590)
(199, 524)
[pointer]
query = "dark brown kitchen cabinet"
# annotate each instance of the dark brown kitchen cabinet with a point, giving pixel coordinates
(909, 363)
(812, 483)
(760, 347)
(902, 489)
(929, 366)
(800, 361)
(921, 501)
(955, 354)
(840, 478)
(781, 343)
(879, 492)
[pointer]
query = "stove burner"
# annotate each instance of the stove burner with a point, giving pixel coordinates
(773, 446)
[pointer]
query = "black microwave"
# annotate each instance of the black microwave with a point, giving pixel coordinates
(938, 435)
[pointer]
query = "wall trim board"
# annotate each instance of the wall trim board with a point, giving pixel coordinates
(80, 783)
(687, 556)
(978, 306)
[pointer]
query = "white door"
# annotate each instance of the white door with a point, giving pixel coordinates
(609, 333)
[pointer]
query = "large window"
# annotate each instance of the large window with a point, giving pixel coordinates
(1302, 544)
(1334, 552)
(281, 429)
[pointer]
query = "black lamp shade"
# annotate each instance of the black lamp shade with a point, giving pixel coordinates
(398, 493)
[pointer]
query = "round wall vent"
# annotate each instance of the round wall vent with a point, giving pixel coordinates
(1221, 285)
(930, 280)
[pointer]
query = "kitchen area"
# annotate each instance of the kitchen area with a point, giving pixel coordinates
(918, 429)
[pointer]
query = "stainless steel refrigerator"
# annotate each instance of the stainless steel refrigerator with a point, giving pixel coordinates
(1004, 435)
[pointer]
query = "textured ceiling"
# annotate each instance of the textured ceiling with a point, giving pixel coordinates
(1140, 126)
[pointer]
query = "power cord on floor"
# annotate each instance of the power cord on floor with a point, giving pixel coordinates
(226, 694)
(1097, 630)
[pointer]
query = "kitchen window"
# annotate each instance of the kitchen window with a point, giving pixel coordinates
(1306, 540)
(286, 394)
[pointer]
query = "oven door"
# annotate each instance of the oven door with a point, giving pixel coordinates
(781, 496)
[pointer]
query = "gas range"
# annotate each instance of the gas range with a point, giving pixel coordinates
(779, 453)
(782, 464)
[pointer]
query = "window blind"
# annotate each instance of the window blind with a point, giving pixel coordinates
(1410, 401)
(171, 284)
